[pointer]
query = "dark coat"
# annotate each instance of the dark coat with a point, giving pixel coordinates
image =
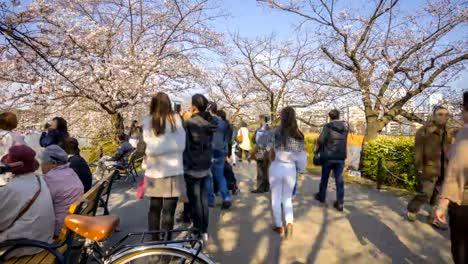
(199, 150)
(53, 137)
(428, 151)
(81, 168)
(334, 140)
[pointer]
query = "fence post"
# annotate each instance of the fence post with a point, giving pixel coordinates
(379, 174)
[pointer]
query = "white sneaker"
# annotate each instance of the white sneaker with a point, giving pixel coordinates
(204, 237)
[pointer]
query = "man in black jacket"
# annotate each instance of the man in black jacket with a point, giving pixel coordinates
(332, 144)
(198, 156)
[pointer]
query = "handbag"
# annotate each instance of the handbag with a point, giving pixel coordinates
(318, 157)
(140, 191)
(240, 138)
(28, 205)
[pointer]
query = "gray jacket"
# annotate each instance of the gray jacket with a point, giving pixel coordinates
(124, 150)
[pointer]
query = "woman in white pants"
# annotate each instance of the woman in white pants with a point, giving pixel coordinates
(287, 142)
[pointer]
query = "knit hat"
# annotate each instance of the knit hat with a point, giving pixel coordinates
(54, 154)
(21, 153)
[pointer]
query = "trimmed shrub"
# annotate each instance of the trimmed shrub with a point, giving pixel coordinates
(397, 154)
(91, 154)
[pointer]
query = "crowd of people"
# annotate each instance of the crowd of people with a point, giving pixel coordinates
(187, 158)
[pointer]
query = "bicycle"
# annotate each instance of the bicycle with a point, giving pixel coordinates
(95, 229)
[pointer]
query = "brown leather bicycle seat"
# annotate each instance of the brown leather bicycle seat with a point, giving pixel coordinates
(95, 228)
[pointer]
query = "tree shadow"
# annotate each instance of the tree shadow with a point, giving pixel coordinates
(381, 236)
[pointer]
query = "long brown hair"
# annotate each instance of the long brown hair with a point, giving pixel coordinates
(288, 127)
(161, 111)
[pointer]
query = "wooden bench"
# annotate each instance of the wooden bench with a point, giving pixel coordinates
(86, 205)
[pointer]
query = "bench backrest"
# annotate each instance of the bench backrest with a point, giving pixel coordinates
(108, 187)
(86, 204)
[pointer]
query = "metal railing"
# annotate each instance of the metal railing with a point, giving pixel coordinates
(383, 171)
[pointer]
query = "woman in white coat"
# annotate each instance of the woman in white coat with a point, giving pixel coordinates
(243, 140)
(164, 136)
(286, 143)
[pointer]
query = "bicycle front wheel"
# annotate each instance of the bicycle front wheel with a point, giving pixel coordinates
(160, 254)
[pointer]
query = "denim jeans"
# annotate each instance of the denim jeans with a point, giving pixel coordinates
(198, 200)
(217, 170)
(337, 167)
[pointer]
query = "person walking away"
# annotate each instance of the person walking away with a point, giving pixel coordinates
(220, 151)
(287, 144)
(243, 140)
(198, 155)
(333, 142)
(25, 202)
(234, 146)
(431, 156)
(78, 164)
(56, 133)
(454, 195)
(228, 172)
(164, 136)
(185, 216)
(262, 158)
(134, 134)
(64, 185)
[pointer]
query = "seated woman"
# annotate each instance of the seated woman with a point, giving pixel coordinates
(64, 185)
(9, 137)
(78, 164)
(25, 204)
(57, 132)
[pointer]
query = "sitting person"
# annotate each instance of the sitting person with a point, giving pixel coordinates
(78, 164)
(64, 185)
(8, 137)
(120, 158)
(25, 202)
(57, 132)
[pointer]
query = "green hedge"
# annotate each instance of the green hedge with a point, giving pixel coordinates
(91, 154)
(397, 154)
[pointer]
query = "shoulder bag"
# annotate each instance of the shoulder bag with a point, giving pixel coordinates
(28, 205)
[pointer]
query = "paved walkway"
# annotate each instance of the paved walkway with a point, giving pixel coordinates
(370, 230)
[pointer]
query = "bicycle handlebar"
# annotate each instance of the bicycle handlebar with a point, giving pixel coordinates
(23, 242)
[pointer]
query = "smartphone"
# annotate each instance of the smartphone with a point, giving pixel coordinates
(178, 107)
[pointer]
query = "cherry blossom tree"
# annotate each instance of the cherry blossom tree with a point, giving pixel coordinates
(266, 74)
(388, 56)
(104, 55)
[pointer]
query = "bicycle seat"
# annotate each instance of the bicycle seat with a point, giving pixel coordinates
(95, 228)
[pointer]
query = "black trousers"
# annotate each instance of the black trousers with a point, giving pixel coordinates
(161, 215)
(458, 224)
(244, 154)
(198, 199)
(263, 183)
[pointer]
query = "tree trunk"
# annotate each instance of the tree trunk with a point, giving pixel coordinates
(117, 124)
(374, 126)
(372, 131)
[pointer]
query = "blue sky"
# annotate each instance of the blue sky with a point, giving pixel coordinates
(250, 19)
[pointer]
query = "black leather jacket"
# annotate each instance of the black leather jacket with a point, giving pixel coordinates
(333, 141)
(199, 149)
